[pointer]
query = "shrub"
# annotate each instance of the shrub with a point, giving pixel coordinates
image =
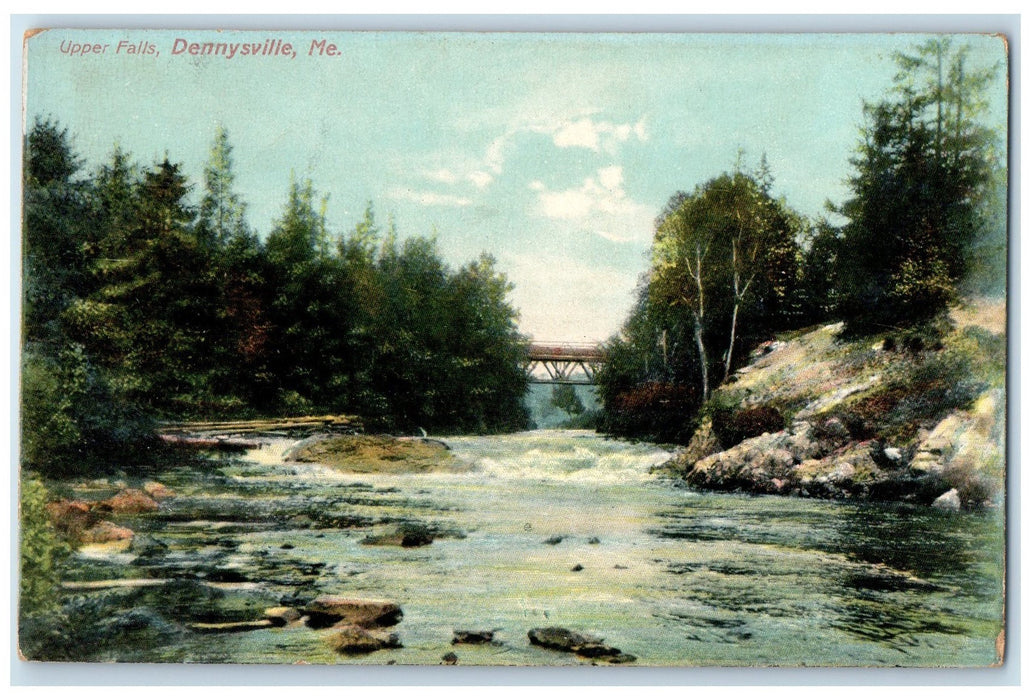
(42, 551)
(653, 411)
(732, 427)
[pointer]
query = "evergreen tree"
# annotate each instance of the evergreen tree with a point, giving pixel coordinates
(221, 216)
(920, 189)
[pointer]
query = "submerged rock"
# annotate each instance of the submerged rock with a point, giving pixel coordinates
(352, 639)
(587, 646)
(327, 610)
(157, 490)
(473, 637)
(106, 531)
(282, 615)
(449, 659)
(407, 535)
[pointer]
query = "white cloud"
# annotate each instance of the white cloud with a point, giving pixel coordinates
(429, 199)
(585, 132)
(600, 204)
(480, 178)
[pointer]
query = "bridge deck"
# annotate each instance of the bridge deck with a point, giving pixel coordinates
(566, 351)
(563, 363)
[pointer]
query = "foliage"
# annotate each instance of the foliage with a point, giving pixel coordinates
(726, 272)
(922, 189)
(564, 398)
(732, 427)
(653, 411)
(41, 553)
(139, 305)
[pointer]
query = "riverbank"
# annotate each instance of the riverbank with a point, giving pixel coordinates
(901, 416)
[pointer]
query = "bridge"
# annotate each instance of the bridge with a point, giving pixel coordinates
(563, 363)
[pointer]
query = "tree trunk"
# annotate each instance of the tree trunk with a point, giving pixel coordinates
(730, 349)
(702, 357)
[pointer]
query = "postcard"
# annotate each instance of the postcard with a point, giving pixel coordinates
(514, 349)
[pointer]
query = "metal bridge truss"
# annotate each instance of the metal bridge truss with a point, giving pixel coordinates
(563, 363)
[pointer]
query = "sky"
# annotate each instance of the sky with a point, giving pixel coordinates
(553, 153)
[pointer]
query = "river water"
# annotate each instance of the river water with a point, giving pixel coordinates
(567, 529)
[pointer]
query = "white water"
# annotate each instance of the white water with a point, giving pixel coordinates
(672, 576)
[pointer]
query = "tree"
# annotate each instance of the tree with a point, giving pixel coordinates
(919, 191)
(725, 253)
(221, 209)
(57, 231)
(564, 398)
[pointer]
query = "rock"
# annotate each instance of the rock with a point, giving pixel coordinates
(286, 545)
(226, 627)
(327, 610)
(578, 567)
(281, 616)
(594, 540)
(893, 454)
(147, 546)
(157, 490)
(948, 501)
(106, 531)
(129, 502)
(71, 518)
(473, 637)
(407, 535)
(352, 639)
(587, 646)
(554, 539)
(702, 444)
(449, 659)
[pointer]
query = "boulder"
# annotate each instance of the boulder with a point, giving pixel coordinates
(328, 610)
(281, 616)
(106, 531)
(147, 546)
(587, 646)
(449, 659)
(473, 637)
(71, 518)
(352, 639)
(129, 502)
(948, 501)
(157, 490)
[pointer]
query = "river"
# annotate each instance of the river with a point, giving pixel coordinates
(566, 529)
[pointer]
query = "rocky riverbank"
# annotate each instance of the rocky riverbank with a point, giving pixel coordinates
(896, 417)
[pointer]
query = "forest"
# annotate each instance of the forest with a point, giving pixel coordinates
(139, 307)
(731, 264)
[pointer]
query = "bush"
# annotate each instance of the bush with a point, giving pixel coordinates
(732, 427)
(42, 551)
(654, 411)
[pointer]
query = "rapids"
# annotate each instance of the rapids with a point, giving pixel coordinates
(568, 529)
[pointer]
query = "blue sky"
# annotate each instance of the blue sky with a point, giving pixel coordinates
(552, 152)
